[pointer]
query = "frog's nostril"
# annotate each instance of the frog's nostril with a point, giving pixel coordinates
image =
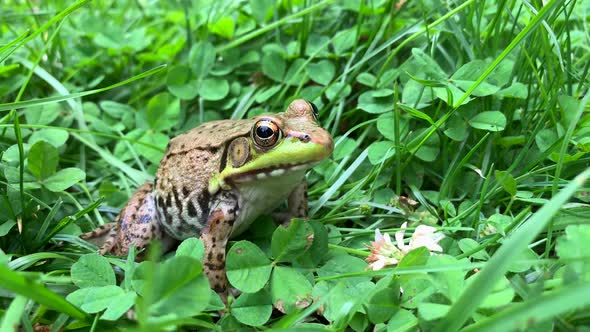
(305, 138)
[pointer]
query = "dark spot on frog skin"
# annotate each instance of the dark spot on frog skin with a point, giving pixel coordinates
(214, 267)
(168, 218)
(203, 200)
(192, 211)
(210, 255)
(146, 218)
(177, 201)
(168, 200)
(185, 191)
(220, 257)
(220, 288)
(182, 146)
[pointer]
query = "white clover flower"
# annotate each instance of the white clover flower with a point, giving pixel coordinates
(384, 252)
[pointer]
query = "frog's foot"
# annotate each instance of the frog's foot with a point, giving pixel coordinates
(215, 237)
(297, 206)
(99, 231)
(103, 236)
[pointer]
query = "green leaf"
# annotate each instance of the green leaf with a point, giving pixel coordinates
(516, 90)
(42, 160)
(224, 27)
(64, 179)
(162, 111)
(95, 299)
(507, 182)
(490, 121)
(296, 74)
(345, 147)
(432, 311)
(6, 226)
(367, 79)
(43, 115)
(291, 242)
(261, 9)
(252, 309)
(178, 287)
(430, 149)
(428, 65)
(376, 105)
(180, 82)
(319, 248)
(344, 264)
(382, 305)
(248, 268)
(274, 66)
(468, 244)
(156, 139)
(545, 138)
(380, 151)
(115, 109)
(92, 270)
(456, 128)
(545, 307)
(449, 283)
(574, 245)
(201, 58)
(321, 72)
(344, 40)
(290, 289)
(386, 126)
(191, 247)
(497, 266)
(403, 320)
(214, 89)
(501, 295)
(333, 91)
(55, 137)
(119, 306)
(417, 289)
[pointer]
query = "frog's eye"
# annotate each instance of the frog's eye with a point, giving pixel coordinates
(316, 113)
(266, 133)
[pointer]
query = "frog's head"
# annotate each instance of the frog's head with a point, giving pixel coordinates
(277, 145)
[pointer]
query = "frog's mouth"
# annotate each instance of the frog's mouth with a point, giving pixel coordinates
(273, 172)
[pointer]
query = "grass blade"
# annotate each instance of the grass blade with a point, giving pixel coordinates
(19, 284)
(486, 279)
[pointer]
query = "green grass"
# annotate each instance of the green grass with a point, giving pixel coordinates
(472, 117)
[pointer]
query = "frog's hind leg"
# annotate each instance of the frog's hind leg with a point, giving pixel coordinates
(136, 225)
(103, 236)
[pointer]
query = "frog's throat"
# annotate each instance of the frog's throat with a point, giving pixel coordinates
(289, 156)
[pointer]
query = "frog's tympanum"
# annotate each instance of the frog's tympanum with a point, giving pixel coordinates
(214, 180)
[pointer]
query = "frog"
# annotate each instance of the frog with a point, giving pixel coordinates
(216, 179)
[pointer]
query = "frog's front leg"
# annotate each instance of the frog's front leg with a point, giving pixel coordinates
(296, 205)
(222, 215)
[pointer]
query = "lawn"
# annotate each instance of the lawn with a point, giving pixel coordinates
(457, 196)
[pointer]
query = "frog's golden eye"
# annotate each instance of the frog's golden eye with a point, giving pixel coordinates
(266, 133)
